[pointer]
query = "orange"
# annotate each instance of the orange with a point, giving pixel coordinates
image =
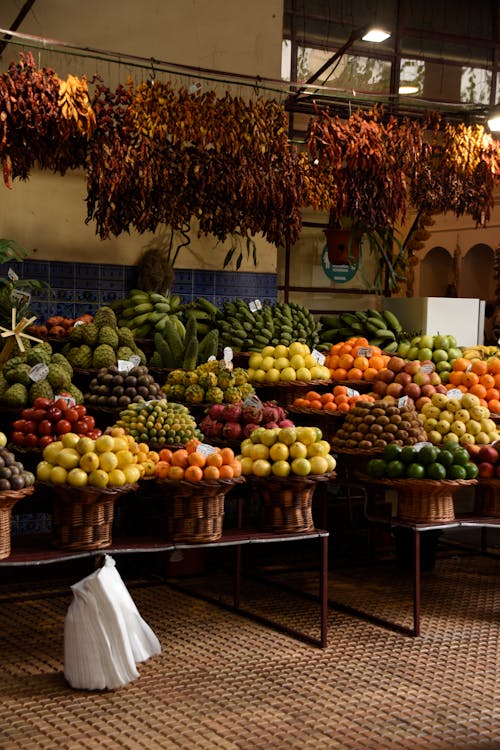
(361, 363)
(162, 469)
(494, 406)
(339, 374)
(227, 455)
(339, 390)
(165, 454)
(369, 374)
(479, 366)
(345, 349)
(316, 404)
(214, 460)
(494, 366)
(470, 378)
(487, 380)
(455, 377)
(344, 406)
(176, 473)
(211, 472)
(355, 374)
(196, 459)
(226, 471)
(326, 398)
(236, 466)
(192, 445)
(193, 474)
(478, 390)
(332, 361)
(346, 361)
(180, 458)
(492, 393)
(342, 398)
(376, 361)
(497, 379)
(313, 396)
(330, 406)
(460, 364)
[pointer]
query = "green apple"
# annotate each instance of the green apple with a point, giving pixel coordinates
(439, 355)
(441, 342)
(444, 365)
(424, 353)
(403, 348)
(426, 342)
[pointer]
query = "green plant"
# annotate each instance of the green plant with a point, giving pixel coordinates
(15, 292)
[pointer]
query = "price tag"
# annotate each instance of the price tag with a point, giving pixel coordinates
(365, 351)
(468, 368)
(227, 361)
(18, 297)
(455, 393)
(205, 449)
(318, 356)
(351, 392)
(69, 400)
(253, 400)
(78, 323)
(12, 275)
(135, 359)
(124, 365)
(428, 368)
(211, 358)
(255, 305)
(422, 444)
(402, 401)
(38, 372)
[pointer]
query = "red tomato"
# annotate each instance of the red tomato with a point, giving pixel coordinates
(94, 434)
(19, 425)
(45, 427)
(30, 440)
(82, 411)
(41, 403)
(71, 415)
(28, 413)
(39, 414)
(45, 440)
(55, 413)
(61, 404)
(18, 438)
(30, 426)
(90, 422)
(80, 427)
(63, 426)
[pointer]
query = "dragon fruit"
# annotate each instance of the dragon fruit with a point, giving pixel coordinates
(232, 430)
(211, 428)
(215, 411)
(286, 423)
(271, 413)
(251, 413)
(249, 428)
(232, 412)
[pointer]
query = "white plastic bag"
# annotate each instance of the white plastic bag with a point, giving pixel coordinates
(104, 634)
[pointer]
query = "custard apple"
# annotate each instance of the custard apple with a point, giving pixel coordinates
(124, 352)
(58, 376)
(104, 356)
(73, 390)
(108, 335)
(126, 338)
(16, 395)
(105, 316)
(80, 356)
(3, 384)
(90, 334)
(60, 359)
(41, 389)
(19, 374)
(38, 355)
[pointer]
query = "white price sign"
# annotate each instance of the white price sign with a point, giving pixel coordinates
(20, 298)
(365, 351)
(125, 365)
(455, 393)
(318, 356)
(70, 401)
(352, 392)
(12, 275)
(205, 449)
(255, 305)
(38, 372)
(402, 401)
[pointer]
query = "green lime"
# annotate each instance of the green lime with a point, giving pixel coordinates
(415, 471)
(392, 452)
(428, 454)
(376, 467)
(435, 470)
(395, 469)
(445, 457)
(456, 471)
(408, 454)
(471, 470)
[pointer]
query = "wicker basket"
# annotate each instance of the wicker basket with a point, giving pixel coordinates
(488, 498)
(423, 500)
(8, 498)
(195, 510)
(287, 502)
(82, 518)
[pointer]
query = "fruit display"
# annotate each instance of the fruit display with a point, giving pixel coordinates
(368, 426)
(13, 475)
(448, 419)
(287, 451)
(159, 422)
(101, 343)
(113, 387)
(47, 420)
(486, 458)
(235, 421)
(197, 462)
(178, 345)
(422, 462)
(381, 329)
(441, 349)
(145, 312)
(281, 363)
(415, 379)
(479, 377)
(210, 382)
(80, 461)
(248, 327)
(58, 326)
(355, 359)
(37, 372)
(341, 399)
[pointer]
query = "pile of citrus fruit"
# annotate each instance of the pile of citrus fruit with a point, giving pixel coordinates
(347, 360)
(476, 376)
(193, 464)
(340, 399)
(425, 462)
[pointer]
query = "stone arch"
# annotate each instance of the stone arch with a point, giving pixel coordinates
(437, 273)
(476, 273)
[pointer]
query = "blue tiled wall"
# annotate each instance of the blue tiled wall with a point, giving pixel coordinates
(77, 288)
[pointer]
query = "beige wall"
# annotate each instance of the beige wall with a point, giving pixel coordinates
(48, 212)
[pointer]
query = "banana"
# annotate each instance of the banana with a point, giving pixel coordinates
(392, 321)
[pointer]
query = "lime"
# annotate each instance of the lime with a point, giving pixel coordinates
(392, 452)
(415, 471)
(428, 454)
(456, 471)
(408, 454)
(460, 455)
(376, 467)
(395, 469)
(445, 457)
(471, 470)
(435, 470)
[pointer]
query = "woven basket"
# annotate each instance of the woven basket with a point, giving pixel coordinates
(287, 502)
(488, 498)
(8, 498)
(423, 500)
(82, 518)
(195, 510)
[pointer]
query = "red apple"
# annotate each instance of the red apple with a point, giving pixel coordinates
(441, 388)
(473, 449)
(488, 454)
(486, 470)
(428, 390)
(396, 364)
(379, 387)
(403, 377)
(413, 366)
(394, 389)
(420, 402)
(412, 390)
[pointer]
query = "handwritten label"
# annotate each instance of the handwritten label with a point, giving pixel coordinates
(12, 275)
(38, 372)
(365, 351)
(78, 323)
(69, 400)
(318, 356)
(402, 401)
(124, 365)
(205, 449)
(18, 297)
(422, 444)
(351, 392)
(253, 400)
(135, 359)
(211, 358)
(227, 361)
(455, 393)
(255, 305)
(427, 368)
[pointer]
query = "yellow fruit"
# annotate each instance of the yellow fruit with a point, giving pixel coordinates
(296, 348)
(43, 471)
(259, 450)
(288, 373)
(98, 478)
(255, 361)
(319, 464)
(267, 363)
(124, 458)
(116, 478)
(108, 461)
(272, 375)
(85, 445)
(68, 458)
(70, 440)
(297, 361)
(77, 478)
(280, 350)
(58, 475)
(104, 443)
(89, 462)
(132, 473)
(120, 444)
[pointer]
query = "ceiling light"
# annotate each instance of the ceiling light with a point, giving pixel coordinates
(494, 121)
(375, 35)
(408, 88)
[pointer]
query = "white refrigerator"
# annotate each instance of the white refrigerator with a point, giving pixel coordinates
(463, 318)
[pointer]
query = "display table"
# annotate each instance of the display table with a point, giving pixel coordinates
(29, 552)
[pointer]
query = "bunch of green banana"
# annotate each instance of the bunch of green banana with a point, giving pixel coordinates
(147, 312)
(382, 329)
(205, 313)
(246, 327)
